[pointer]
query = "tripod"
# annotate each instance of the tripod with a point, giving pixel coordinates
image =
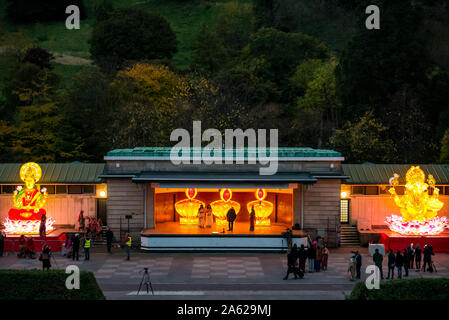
(146, 280)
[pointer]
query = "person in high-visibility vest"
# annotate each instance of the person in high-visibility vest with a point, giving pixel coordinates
(128, 243)
(87, 248)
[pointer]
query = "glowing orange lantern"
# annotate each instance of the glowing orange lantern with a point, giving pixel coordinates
(262, 208)
(221, 207)
(419, 209)
(25, 217)
(188, 208)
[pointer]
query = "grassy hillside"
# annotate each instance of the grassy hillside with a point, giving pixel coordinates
(185, 17)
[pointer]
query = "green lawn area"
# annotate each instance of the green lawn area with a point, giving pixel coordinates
(46, 285)
(185, 17)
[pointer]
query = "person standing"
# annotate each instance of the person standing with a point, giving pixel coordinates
(351, 268)
(201, 216)
(302, 254)
(411, 254)
(378, 259)
(391, 264)
(81, 221)
(209, 218)
(358, 263)
(406, 261)
(311, 256)
(252, 219)
(399, 263)
(418, 257)
(87, 248)
(292, 257)
(45, 257)
(325, 257)
(318, 258)
(109, 238)
(42, 226)
(2, 242)
(427, 258)
(128, 243)
(75, 247)
(231, 216)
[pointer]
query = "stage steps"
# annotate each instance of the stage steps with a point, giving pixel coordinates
(349, 236)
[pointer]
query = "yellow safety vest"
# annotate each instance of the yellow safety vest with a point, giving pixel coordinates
(128, 243)
(87, 244)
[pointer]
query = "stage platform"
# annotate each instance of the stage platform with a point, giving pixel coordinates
(171, 236)
(55, 240)
(395, 241)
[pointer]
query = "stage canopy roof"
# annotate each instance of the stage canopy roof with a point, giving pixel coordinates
(370, 173)
(242, 180)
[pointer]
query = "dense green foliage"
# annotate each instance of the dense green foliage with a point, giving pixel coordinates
(30, 11)
(415, 289)
(46, 285)
(308, 68)
(131, 34)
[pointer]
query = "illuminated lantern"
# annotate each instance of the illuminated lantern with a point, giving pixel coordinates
(26, 215)
(419, 209)
(262, 208)
(188, 208)
(221, 207)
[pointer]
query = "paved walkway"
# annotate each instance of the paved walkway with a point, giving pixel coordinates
(216, 275)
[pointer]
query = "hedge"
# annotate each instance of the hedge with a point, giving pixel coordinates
(46, 285)
(416, 289)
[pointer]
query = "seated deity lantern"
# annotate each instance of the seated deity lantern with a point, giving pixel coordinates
(262, 208)
(188, 208)
(28, 200)
(27, 214)
(221, 207)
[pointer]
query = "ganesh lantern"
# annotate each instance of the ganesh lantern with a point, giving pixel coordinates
(221, 207)
(419, 209)
(26, 216)
(188, 208)
(262, 208)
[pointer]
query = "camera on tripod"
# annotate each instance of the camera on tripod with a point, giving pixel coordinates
(146, 280)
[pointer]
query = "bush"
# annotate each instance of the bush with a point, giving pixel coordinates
(46, 285)
(132, 34)
(30, 11)
(416, 289)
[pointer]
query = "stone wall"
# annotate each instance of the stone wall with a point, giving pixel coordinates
(125, 198)
(322, 209)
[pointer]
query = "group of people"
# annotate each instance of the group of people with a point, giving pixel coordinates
(405, 260)
(410, 258)
(205, 218)
(91, 226)
(317, 255)
(26, 247)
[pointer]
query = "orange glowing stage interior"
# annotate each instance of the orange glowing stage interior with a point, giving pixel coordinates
(169, 221)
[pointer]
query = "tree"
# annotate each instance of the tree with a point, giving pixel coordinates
(376, 63)
(364, 140)
(86, 115)
(444, 154)
(209, 54)
(317, 110)
(39, 57)
(274, 55)
(235, 24)
(148, 105)
(132, 34)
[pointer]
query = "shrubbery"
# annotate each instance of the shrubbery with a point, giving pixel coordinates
(416, 289)
(46, 285)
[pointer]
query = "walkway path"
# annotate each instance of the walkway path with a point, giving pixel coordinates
(216, 275)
